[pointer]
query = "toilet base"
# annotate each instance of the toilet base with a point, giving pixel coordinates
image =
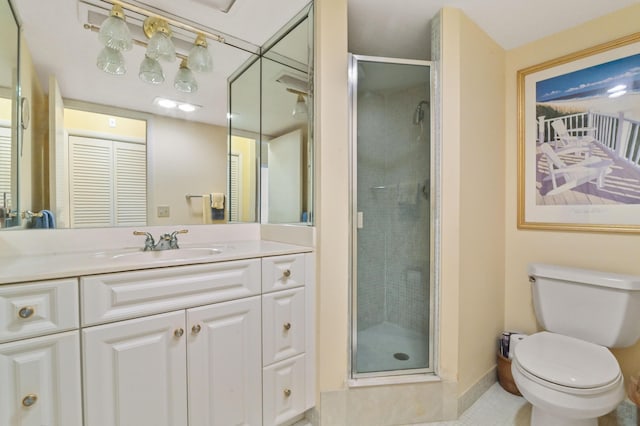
(540, 417)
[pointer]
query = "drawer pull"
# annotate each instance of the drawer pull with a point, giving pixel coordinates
(287, 393)
(286, 273)
(179, 332)
(26, 312)
(287, 326)
(196, 329)
(29, 400)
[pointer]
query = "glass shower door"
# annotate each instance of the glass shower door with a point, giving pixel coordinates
(392, 294)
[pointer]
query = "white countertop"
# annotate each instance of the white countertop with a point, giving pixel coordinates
(73, 264)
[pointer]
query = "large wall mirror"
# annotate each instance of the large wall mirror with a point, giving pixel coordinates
(9, 146)
(278, 125)
(105, 148)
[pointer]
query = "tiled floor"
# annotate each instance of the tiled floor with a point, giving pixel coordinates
(500, 408)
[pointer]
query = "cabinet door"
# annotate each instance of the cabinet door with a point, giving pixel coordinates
(135, 372)
(40, 381)
(224, 364)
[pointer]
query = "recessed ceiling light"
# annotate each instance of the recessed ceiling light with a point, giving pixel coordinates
(187, 107)
(166, 103)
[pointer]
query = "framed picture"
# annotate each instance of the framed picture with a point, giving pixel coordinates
(579, 140)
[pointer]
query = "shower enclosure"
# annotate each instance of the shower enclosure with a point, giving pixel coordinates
(392, 290)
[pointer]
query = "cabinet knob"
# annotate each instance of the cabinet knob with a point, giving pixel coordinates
(196, 329)
(287, 326)
(287, 393)
(179, 332)
(29, 400)
(26, 312)
(286, 273)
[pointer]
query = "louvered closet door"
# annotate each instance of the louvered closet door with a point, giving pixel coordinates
(108, 183)
(91, 182)
(130, 184)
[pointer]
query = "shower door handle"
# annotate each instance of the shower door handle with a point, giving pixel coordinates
(360, 220)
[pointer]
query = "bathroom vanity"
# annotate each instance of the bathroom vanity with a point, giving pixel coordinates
(217, 335)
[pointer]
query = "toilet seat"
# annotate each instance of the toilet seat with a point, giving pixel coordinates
(567, 364)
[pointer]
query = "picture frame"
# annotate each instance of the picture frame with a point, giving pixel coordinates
(579, 140)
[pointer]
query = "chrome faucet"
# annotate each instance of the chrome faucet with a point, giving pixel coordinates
(166, 241)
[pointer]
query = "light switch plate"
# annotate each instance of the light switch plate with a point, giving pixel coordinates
(163, 211)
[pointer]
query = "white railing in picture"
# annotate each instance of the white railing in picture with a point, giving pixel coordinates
(619, 134)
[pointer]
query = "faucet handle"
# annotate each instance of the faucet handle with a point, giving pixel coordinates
(173, 239)
(149, 243)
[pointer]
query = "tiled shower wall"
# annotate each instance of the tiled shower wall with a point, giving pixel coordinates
(393, 246)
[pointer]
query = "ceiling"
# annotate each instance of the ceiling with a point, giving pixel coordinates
(401, 29)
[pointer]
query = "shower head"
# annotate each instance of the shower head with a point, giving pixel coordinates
(418, 115)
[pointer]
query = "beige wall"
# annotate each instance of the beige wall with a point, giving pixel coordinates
(332, 214)
(175, 171)
(476, 126)
(604, 251)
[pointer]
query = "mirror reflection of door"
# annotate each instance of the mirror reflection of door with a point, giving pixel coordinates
(283, 178)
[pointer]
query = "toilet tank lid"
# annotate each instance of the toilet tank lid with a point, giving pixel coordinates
(586, 276)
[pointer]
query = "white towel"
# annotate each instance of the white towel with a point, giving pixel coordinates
(408, 193)
(217, 200)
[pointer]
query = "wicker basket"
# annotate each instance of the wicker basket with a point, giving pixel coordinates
(505, 377)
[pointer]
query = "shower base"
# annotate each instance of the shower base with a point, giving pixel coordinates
(388, 347)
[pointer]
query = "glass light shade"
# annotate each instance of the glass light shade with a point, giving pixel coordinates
(161, 47)
(185, 81)
(114, 33)
(300, 111)
(200, 59)
(111, 61)
(151, 71)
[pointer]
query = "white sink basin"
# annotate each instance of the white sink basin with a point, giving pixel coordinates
(190, 253)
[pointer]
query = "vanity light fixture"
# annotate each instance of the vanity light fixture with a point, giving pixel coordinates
(151, 71)
(300, 110)
(185, 81)
(111, 61)
(114, 32)
(199, 59)
(160, 46)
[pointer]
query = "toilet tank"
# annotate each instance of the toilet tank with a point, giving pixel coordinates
(599, 307)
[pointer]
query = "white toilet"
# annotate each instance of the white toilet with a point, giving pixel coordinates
(566, 372)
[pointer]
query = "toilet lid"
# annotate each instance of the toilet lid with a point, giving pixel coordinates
(567, 361)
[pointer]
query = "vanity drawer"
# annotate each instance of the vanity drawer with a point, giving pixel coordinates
(283, 325)
(34, 309)
(283, 391)
(282, 272)
(112, 297)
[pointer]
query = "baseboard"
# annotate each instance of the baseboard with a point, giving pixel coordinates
(467, 399)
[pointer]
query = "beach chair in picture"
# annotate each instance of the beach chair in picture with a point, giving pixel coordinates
(591, 169)
(565, 139)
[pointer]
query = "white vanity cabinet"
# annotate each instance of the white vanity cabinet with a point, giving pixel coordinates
(142, 371)
(40, 376)
(209, 344)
